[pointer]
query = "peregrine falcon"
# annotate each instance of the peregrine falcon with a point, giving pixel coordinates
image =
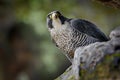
(69, 34)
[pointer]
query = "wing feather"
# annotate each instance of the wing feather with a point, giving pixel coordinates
(88, 28)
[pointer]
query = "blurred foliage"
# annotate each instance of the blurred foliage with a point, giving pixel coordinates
(51, 62)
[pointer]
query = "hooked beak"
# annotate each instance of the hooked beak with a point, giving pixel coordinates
(54, 16)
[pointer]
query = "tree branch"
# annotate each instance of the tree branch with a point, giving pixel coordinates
(112, 3)
(89, 56)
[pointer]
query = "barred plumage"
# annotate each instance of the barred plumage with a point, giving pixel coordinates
(69, 34)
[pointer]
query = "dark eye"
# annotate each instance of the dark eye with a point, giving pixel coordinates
(58, 13)
(49, 16)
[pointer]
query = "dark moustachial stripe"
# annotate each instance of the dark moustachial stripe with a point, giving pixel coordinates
(62, 19)
(50, 24)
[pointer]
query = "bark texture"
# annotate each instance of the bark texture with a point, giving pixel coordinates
(86, 58)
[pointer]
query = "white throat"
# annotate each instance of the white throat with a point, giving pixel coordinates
(56, 24)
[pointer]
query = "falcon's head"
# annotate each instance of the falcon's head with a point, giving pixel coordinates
(55, 20)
